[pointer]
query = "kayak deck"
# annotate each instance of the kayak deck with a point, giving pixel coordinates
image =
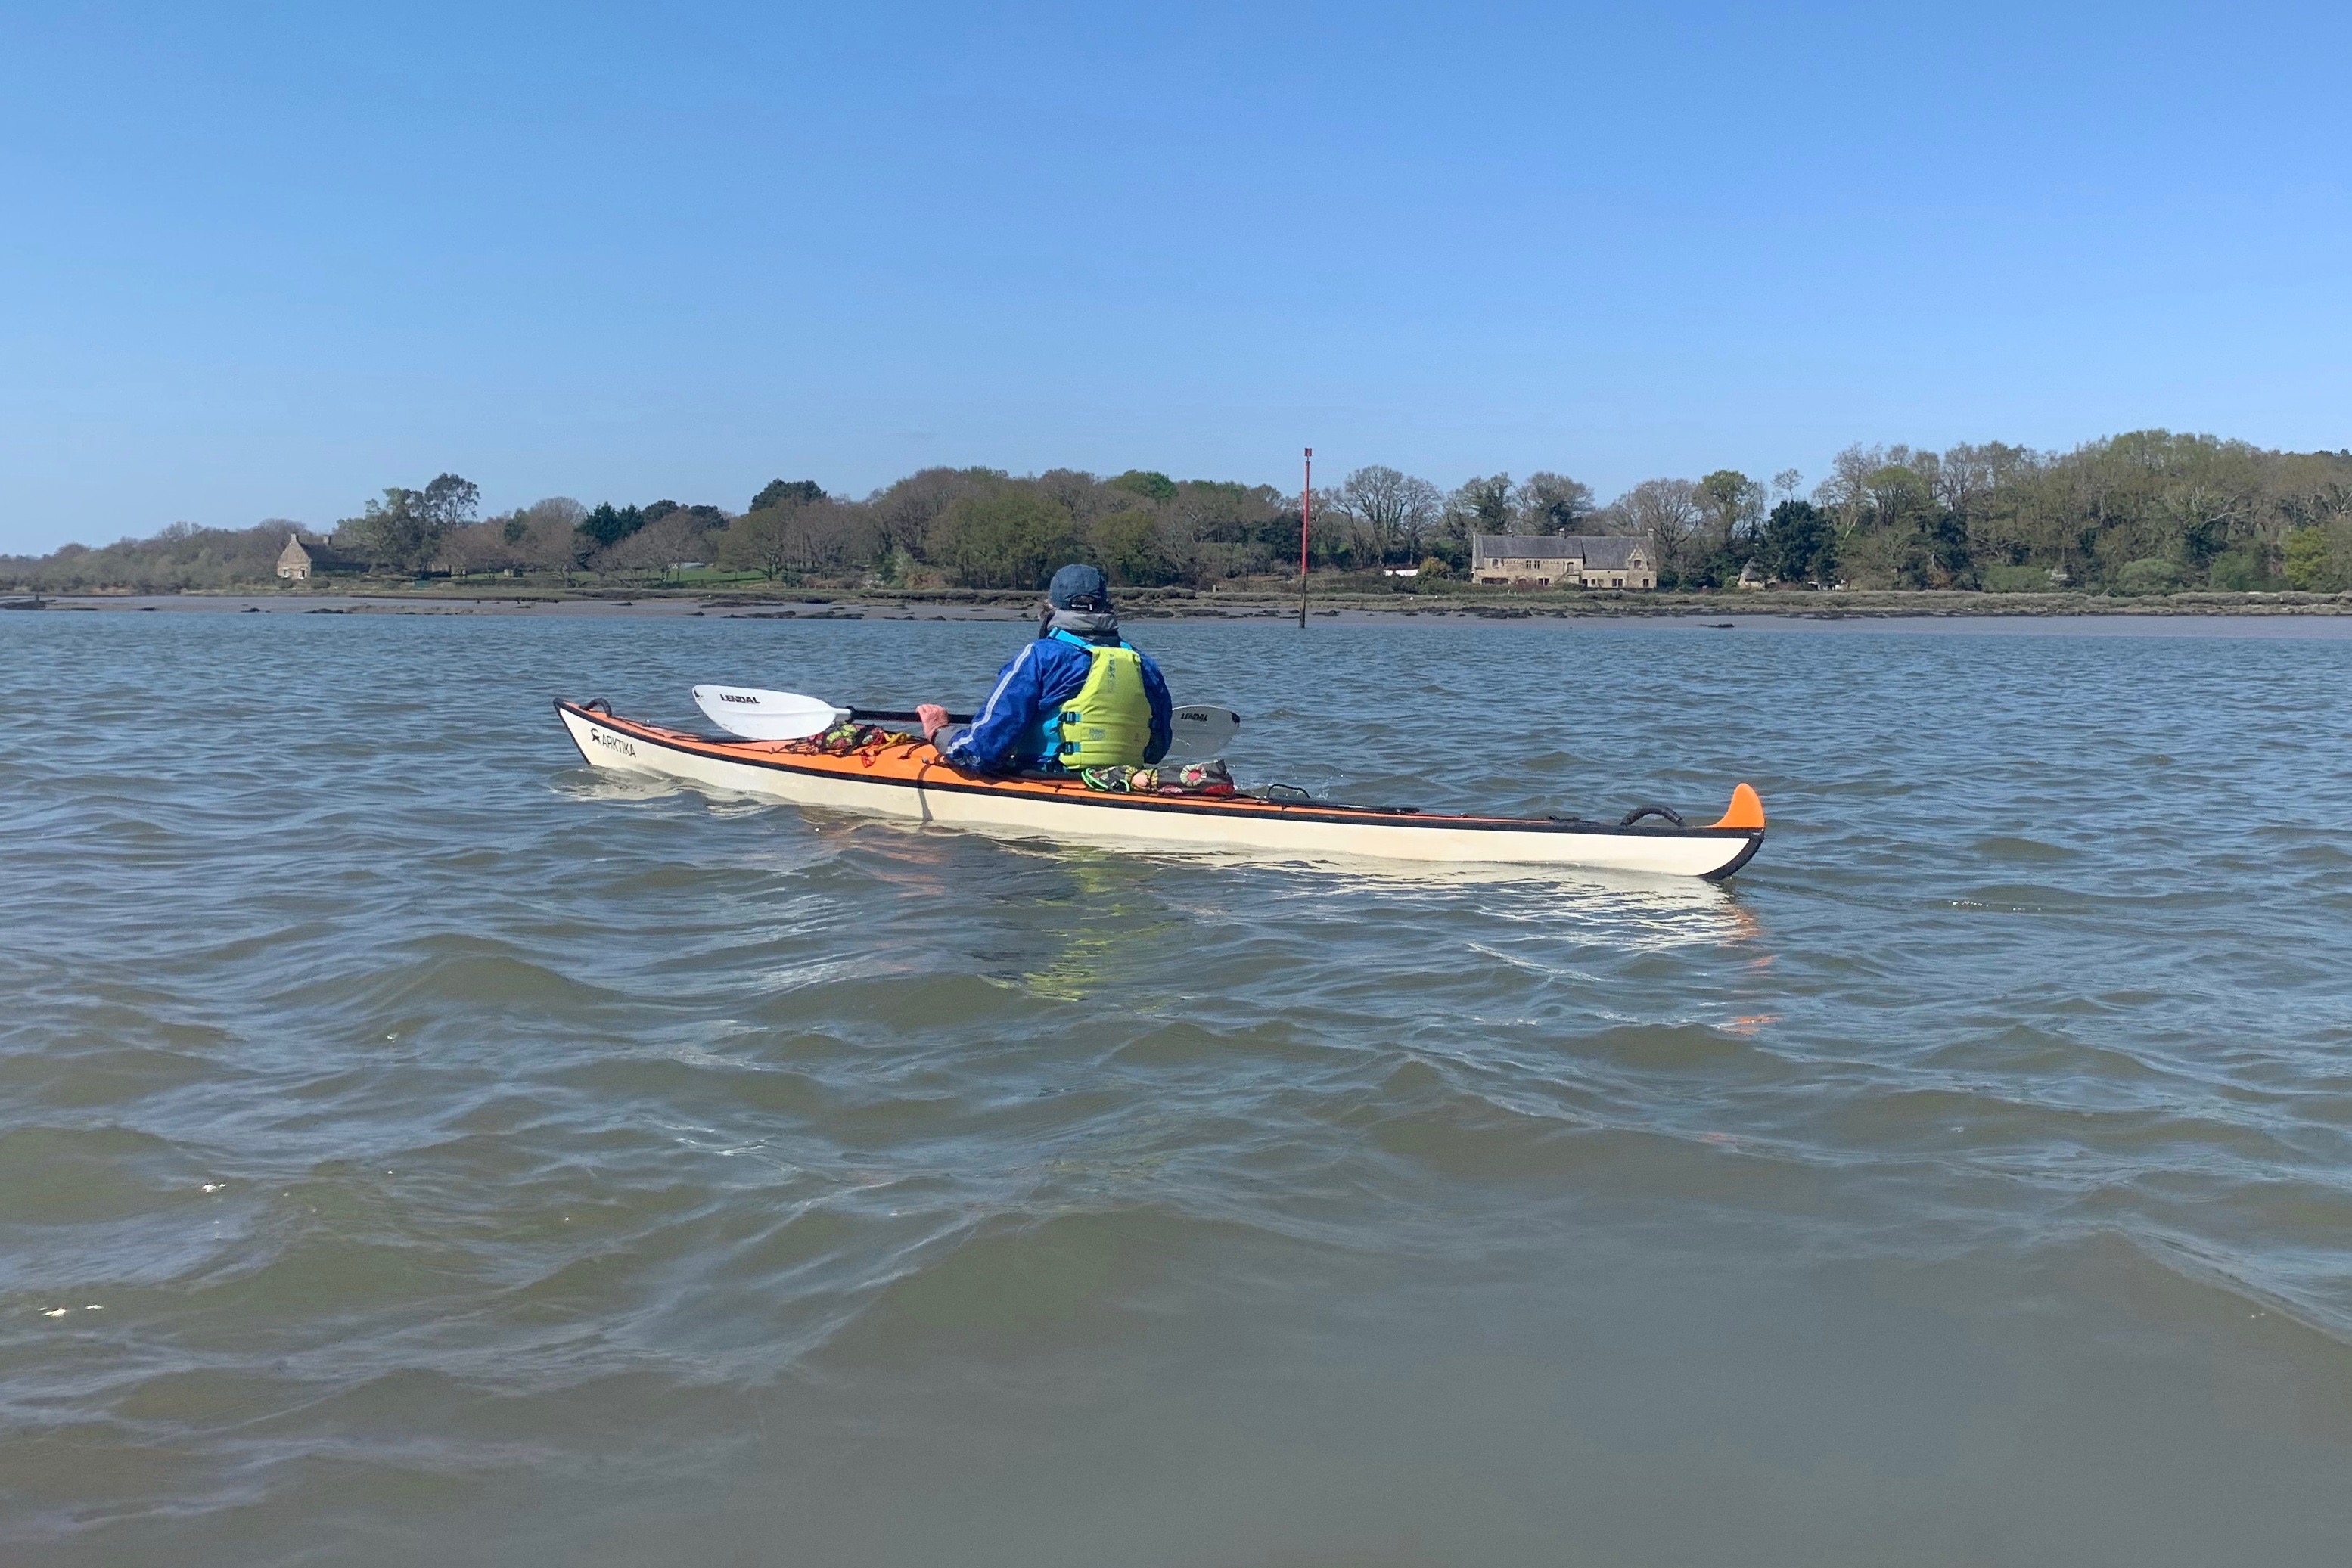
(908, 781)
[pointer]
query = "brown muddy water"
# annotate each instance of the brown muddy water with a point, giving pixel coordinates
(414, 1149)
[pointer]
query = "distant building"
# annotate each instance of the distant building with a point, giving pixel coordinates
(300, 560)
(1562, 561)
(1753, 576)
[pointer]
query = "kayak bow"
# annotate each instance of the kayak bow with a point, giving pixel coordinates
(909, 781)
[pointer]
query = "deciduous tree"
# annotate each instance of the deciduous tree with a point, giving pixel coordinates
(678, 535)
(1389, 512)
(1735, 508)
(1551, 502)
(1131, 550)
(904, 513)
(799, 537)
(1667, 513)
(449, 502)
(401, 530)
(1149, 484)
(1483, 505)
(1014, 538)
(2319, 559)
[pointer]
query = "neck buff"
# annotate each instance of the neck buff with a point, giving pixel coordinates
(1094, 625)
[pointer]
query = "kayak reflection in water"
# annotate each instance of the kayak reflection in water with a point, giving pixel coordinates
(1078, 696)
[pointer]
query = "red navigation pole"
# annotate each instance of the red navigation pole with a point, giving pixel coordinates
(1306, 515)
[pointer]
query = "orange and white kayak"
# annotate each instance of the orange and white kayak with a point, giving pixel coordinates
(908, 781)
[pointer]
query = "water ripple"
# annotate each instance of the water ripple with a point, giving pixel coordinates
(413, 1140)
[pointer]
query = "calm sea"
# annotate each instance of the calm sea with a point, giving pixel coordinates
(415, 1149)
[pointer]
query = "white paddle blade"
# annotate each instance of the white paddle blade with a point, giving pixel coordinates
(756, 715)
(1200, 733)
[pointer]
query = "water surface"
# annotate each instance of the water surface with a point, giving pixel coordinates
(417, 1148)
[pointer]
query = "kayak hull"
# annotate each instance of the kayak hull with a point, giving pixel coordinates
(909, 782)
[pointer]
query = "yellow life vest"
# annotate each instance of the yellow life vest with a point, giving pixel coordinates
(1109, 722)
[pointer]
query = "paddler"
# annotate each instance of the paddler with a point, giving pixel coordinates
(1078, 696)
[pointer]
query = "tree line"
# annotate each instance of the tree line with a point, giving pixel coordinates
(2147, 512)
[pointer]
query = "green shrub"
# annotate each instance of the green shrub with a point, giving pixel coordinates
(2319, 559)
(2151, 574)
(2235, 571)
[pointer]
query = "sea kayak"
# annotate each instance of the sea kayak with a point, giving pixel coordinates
(909, 781)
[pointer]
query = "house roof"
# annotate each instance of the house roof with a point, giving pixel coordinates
(1602, 552)
(1609, 552)
(321, 553)
(1526, 546)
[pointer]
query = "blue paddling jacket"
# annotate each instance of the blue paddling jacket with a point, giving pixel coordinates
(1010, 732)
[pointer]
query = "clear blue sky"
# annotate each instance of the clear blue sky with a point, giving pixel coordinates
(264, 260)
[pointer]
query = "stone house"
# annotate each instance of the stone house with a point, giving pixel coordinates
(299, 560)
(1562, 561)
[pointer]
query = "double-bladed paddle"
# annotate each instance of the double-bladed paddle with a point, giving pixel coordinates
(1200, 732)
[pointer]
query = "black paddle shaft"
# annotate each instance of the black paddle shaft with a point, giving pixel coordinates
(907, 716)
(899, 716)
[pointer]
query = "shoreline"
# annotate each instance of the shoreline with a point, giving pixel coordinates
(1162, 604)
(2183, 614)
